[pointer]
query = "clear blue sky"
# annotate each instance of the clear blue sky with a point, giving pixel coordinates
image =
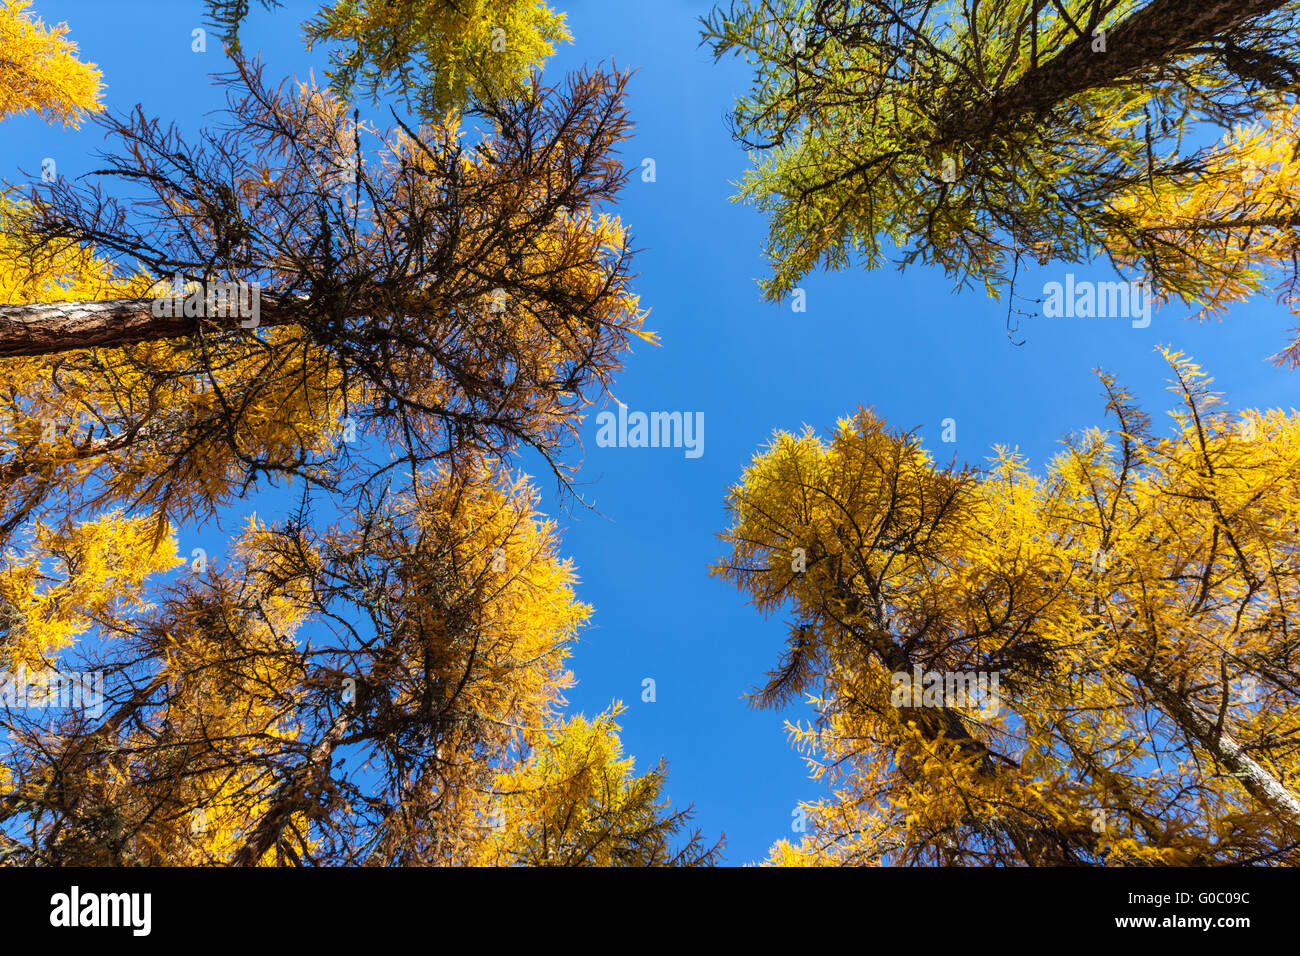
(903, 343)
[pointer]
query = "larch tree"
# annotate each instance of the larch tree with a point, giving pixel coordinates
(419, 722)
(981, 136)
(1096, 666)
(40, 71)
(378, 678)
(437, 54)
(451, 294)
(575, 801)
(433, 55)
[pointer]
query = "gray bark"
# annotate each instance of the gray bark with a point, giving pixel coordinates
(1224, 748)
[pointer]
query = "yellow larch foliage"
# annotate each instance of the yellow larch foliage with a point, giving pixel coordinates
(1133, 603)
(176, 768)
(1220, 235)
(179, 428)
(69, 578)
(474, 612)
(148, 422)
(139, 425)
(145, 421)
(508, 567)
(232, 669)
(68, 275)
(572, 251)
(576, 801)
(437, 54)
(39, 70)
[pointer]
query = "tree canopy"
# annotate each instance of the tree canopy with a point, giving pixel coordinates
(979, 137)
(1127, 617)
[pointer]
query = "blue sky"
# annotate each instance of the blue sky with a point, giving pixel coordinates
(903, 343)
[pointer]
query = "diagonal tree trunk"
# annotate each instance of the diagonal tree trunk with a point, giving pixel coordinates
(1224, 748)
(1042, 845)
(46, 328)
(1157, 33)
(296, 795)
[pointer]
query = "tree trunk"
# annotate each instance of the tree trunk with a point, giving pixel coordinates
(1223, 747)
(46, 328)
(1041, 845)
(296, 795)
(1155, 34)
